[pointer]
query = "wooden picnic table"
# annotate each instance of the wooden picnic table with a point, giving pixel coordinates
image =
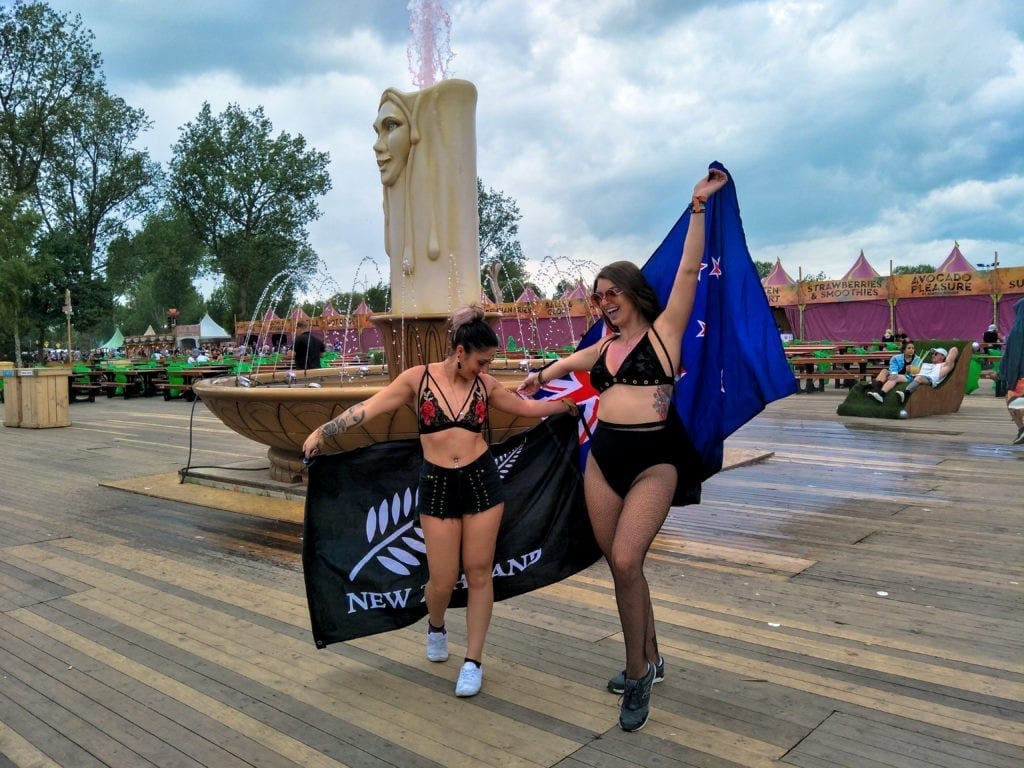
(190, 376)
(806, 368)
(85, 384)
(138, 381)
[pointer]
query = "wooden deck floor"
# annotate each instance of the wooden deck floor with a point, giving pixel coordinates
(854, 601)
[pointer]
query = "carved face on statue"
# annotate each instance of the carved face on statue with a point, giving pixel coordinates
(393, 142)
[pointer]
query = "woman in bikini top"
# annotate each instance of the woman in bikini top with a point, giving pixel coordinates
(459, 497)
(635, 467)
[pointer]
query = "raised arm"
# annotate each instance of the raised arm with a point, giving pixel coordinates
(676, 314)
(392, 397)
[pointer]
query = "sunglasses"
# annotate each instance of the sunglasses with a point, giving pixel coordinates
(611, 293)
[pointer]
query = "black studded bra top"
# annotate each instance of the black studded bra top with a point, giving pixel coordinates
(435, 418)
(640, 368)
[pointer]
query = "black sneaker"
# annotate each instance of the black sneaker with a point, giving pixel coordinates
(636, 701)
(618, 683)
(901, 395)
(1020, 437)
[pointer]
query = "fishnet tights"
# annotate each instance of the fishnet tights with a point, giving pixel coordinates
(625, 529)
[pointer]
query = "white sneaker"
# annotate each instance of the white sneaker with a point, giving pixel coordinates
(437, 645)
(876, 395)
(470, 678)
(1017, 404)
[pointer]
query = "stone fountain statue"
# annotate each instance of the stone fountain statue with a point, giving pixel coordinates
(426, 152)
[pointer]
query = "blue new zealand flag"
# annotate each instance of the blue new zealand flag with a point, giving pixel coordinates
(733, 363)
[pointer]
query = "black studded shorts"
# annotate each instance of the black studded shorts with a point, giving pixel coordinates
(456, 491)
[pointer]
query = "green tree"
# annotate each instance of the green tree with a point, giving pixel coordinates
(93, 183)
(376, 297)
(155, 269)
(763, 268)
(502, 263)
(47, 66)
(19, 269)
(819, 276)
(912, 270)
(249, 196)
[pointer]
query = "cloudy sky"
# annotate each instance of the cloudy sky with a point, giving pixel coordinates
(892, 127)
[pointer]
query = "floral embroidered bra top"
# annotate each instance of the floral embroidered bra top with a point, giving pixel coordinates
(640, 368)
(435, 418)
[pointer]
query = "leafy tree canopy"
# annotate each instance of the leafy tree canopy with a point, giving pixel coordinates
(249, 195)
(502, 263)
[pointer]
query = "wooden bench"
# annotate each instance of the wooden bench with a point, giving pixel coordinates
(168, 388)
(128, 388)
(839, 374)
(86, 390)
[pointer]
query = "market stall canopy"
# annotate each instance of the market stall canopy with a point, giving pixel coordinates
(778, 275)
(861, 270)
(114, 342)
(955, 262)
(209, 329)
(579, 291)
(528, 296)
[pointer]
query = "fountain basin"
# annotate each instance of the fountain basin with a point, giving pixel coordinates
(282, 417)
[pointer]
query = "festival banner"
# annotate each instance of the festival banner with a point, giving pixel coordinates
(925, 284)
(782, 295)
(1009, 280)
(832, 291)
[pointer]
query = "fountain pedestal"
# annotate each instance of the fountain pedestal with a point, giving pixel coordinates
(412, 340)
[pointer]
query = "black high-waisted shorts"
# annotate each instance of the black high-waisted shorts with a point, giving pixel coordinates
(623, 451)
(457, 491)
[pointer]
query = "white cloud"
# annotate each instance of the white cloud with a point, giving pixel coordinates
(888, 127)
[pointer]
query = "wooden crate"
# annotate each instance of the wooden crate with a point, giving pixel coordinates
(42, 395)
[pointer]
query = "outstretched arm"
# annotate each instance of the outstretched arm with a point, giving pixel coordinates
(581, 360)
(393, 396)
(508, 402)
(676, 314)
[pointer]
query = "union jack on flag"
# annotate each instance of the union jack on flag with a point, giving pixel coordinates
(732, 361)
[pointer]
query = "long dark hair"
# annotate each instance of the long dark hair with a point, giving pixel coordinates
(630, 280)
(468, 328)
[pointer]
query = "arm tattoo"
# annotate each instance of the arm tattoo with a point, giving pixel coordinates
(347, 419)
(662, 400)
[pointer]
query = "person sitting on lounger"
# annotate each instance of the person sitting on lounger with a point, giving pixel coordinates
(933, 372)
(901, 370)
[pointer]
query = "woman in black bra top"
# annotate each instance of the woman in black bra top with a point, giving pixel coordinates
(641, 459)
(459, 498)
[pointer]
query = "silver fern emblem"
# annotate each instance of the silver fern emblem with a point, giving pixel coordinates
(508, 460)
(396, 542)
